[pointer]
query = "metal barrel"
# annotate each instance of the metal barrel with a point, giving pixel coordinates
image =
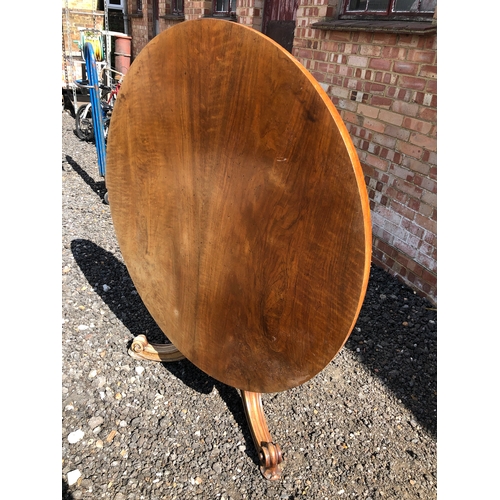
(123, 46)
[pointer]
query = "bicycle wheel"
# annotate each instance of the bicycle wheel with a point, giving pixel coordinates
(84, 124)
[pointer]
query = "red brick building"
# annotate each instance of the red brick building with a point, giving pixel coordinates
(376, 60)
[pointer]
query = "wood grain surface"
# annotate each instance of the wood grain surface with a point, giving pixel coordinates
(239, 205)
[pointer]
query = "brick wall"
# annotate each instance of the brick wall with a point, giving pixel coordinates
(384, 86)
(141, 24)
(78, 18)
(139, 33)
(87, 5)
(195, 10)
(249, 13)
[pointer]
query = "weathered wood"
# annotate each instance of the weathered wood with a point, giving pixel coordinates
(162, 353)
(239, 205)
(270, 456)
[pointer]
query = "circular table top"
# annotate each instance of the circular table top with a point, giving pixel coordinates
(239, 205)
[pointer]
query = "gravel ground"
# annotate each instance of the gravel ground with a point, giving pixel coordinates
(364, 428)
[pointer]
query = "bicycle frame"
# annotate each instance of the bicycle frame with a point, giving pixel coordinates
(114, 92)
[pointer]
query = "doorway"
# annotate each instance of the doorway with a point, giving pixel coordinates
(279, 21)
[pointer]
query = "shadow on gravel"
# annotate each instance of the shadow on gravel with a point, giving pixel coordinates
(199, 381)
(102, 268)
(396, 338)
(66, 493)
(98, 187)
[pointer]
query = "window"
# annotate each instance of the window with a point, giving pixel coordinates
(116, 4)
(415, 17)
(137, 7)
(224, 7)
(178, 7)
(391, 8)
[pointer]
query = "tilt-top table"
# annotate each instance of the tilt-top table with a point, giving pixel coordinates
(240, 209)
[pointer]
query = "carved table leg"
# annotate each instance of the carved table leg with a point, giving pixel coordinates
(269, 453)
(142, 349)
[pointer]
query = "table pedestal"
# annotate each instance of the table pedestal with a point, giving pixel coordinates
(269, 453)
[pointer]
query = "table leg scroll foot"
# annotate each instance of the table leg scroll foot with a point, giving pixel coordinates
(164, 353)
(270, 455)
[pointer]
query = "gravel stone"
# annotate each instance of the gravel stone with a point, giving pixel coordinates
(365, 427)
(95, 422)
(74, 437)
(73, 476)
